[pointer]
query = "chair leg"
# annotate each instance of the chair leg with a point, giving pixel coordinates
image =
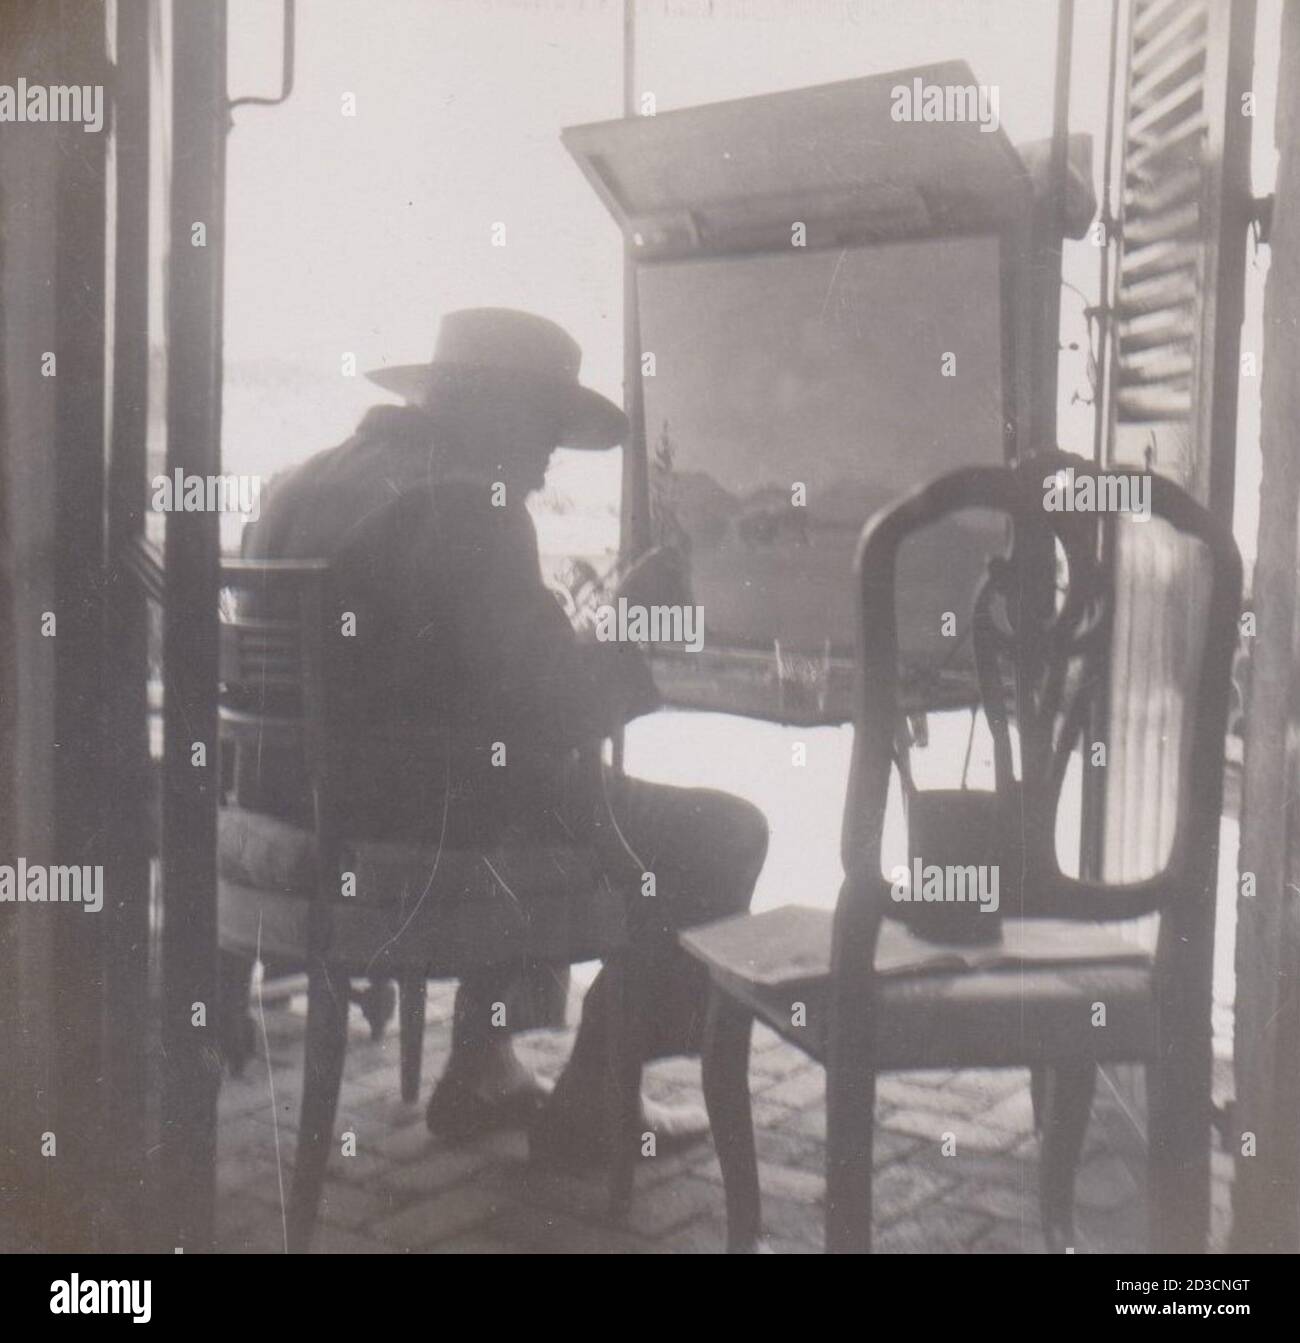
(1179, 1103)
(623, 1075)
(412, 991)
(1178, 1157)
(850, 1128)
(1038, 1095)
(725, 1053)
(1066, 1106)
(327, 1034)
(378, 1002)
(237, 1030)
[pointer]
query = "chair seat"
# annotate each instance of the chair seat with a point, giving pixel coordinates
(415, 908)
(1019, 1004)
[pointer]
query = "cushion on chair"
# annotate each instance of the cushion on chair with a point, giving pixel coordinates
(446, 910)
(1031, 1002)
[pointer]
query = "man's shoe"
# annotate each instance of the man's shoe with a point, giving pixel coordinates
(457, 1113)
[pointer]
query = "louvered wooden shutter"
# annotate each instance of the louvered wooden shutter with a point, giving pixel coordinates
(1184, 148)
(1184, 208)
(1184, 203)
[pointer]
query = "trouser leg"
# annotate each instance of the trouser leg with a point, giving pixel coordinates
(705, 851)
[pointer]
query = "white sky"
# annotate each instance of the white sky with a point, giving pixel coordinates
(354, 234)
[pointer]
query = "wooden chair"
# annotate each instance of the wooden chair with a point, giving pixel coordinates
(417, 913)
(1043, 655)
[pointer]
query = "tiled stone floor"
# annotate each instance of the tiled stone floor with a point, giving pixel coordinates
(403, 1191)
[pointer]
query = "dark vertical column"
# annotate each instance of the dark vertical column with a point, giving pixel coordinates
(635, 536)
(1266, 1191)
(1050, 225)
(1030, 259)
(192, 1067)
(1018, 298)
(1092, 820)
(76, 36)
(127, 803)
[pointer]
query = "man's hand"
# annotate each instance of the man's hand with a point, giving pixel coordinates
(660, 577)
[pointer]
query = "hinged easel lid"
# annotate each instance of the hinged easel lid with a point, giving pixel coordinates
(737, 176)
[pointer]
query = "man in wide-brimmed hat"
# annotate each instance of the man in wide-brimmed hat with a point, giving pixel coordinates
(422, 516)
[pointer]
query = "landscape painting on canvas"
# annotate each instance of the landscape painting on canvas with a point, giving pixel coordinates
(794, 395)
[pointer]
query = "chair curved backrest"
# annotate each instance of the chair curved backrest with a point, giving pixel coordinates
(272, 683)
(1043, 661)
(270, 662)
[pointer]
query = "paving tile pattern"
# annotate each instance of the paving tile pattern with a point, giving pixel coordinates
(405, 1192)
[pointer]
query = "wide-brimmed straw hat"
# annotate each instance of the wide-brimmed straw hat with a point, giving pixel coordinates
(504, 352)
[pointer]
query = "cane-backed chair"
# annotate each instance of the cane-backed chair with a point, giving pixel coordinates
(351, 909)
(1043, 622)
